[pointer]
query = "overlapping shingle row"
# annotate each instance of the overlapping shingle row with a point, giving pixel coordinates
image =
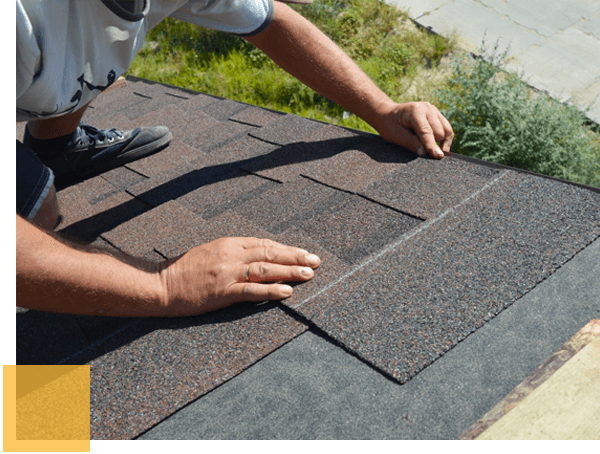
(416, 252)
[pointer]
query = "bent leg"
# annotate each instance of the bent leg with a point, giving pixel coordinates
(47, 215)
(51, 128)
(36, 196)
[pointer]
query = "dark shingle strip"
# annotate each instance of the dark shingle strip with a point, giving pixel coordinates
(350, 170)
(222, 110)
(288, 129)
(175, 116)
(357, 228)
(241, 152)
(426, 187)
(177, 182)
(102, 217)
(141, 234)
(165, 364)
(426, 293)
(330, 270)
(226, 225)
(205, 133)
(47, 338)
(290, 204)
(122, 177)
(230, 191)
(255, 116)
(158, 100)
(289, 161)
(175, 155)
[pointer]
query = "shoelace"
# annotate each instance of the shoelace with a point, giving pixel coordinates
(94, 134)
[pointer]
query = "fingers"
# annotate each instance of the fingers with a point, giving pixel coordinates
(429, 126)
(266, 260)
(260, 292)
(449, 134)
(265, 272)
(263, 250)
(269, 261)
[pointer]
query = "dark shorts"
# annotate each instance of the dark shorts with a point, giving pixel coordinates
(34, 181)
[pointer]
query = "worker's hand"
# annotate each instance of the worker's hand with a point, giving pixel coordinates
(230, 270)
(418, 126)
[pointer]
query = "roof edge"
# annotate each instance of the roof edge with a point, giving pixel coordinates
(495, 165)
(489, 164)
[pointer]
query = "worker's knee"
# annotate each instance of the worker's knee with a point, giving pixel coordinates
(48, 214)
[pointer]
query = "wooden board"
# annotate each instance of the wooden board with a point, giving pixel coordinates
(560, 400)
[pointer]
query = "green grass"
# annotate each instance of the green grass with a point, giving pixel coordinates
(495, 117)
(391, 52)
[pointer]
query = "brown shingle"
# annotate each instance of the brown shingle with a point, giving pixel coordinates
(393, 289)
(142, 233)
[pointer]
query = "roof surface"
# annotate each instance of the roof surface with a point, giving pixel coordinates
(419, 258)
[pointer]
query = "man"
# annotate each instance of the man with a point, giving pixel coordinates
(67, 53)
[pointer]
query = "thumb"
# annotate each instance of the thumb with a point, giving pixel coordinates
(421, 138)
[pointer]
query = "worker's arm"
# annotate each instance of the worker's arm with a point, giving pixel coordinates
(304, 51)
(55, 275)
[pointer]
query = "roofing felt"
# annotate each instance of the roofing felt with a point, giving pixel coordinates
(416, 253)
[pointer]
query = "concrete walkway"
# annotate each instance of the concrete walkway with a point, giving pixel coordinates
(555, 44)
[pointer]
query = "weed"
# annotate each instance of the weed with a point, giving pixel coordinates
(494, 118)
(497, 117)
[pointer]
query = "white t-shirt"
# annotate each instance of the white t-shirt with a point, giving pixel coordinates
(69, 51)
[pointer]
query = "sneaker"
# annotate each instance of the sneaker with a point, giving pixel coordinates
(93, 151)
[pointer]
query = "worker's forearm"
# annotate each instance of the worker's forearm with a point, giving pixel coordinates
(304, 51)
(53, 275)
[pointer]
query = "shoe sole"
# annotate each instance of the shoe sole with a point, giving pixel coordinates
(138, 153)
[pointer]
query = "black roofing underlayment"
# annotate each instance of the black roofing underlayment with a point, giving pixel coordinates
(416, 253)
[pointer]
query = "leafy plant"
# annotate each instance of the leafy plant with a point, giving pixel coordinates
(497, 117)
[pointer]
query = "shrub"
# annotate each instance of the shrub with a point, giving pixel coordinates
(497, 117)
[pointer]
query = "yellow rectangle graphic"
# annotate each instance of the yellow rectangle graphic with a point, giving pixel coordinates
(53, 403)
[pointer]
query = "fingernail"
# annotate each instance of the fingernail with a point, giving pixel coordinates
(306, 272)
(313, 259)
(286, 290)
(420, 151)
(440, 152)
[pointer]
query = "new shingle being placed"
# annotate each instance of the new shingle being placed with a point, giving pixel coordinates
(416, 253)
(431, 287)
(425, 187)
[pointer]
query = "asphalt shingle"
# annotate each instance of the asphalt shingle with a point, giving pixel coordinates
(416, 253)
(291, 204)
(226, 225)
(357, 228)
(149, 369)
(293, 159)
(288, 129)
(433, 287)
(255, 116)
(425, 187)
(138, 236)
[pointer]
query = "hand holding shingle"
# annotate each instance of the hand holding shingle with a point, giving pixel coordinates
(418, 126)
(304, 51)
(230, 270)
